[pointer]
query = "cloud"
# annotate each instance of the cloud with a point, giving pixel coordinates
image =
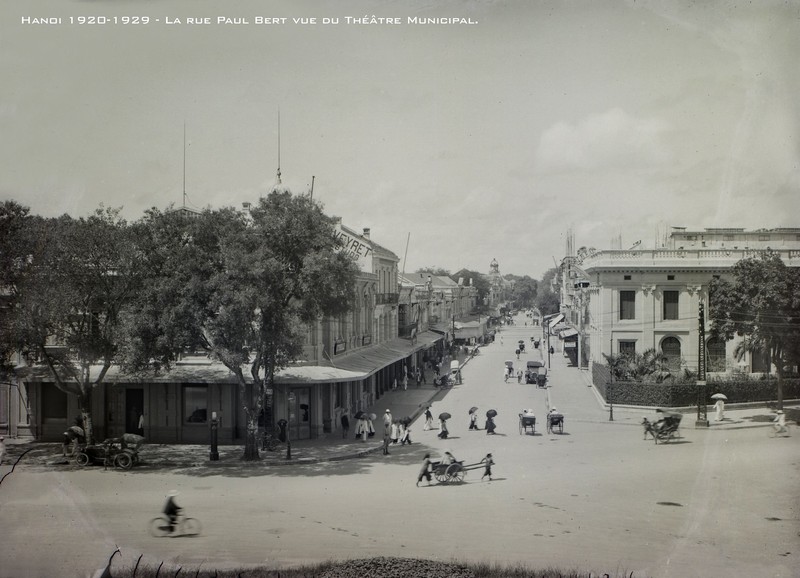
(610, 140)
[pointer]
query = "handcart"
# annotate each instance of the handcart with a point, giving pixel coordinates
(452, 473)
(527, 421)
(555, 421)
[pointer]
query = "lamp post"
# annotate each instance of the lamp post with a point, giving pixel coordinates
(702, 409)
(214, 455)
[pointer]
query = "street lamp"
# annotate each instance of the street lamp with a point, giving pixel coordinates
(214, 455)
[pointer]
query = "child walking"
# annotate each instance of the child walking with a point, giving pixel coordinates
(489, 463)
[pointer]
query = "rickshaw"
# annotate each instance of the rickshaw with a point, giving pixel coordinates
(555, 421)
(521, 345)
(527, 421)
(508, 370)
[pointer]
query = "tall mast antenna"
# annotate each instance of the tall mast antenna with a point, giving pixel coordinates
(184, 164)
(279, 146)
(312, 187)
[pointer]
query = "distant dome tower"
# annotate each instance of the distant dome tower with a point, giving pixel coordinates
(494, 268)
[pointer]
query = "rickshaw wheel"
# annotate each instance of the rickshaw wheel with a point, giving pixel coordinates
(82, 459)
(440, 477)
(123, 461)
(455, 473)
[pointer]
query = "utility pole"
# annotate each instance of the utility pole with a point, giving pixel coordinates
(702, 409)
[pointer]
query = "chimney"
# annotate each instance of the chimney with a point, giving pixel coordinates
(366, 233)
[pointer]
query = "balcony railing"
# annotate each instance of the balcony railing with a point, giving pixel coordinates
(387, 298)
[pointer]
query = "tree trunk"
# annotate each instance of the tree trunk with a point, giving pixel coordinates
(251, 438)
(85, 407)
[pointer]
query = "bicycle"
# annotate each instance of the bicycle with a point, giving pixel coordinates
(160, 527)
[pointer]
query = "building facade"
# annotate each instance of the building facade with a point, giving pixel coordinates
(629, 301)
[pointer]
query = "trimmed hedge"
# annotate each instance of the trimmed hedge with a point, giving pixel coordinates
(680, 395)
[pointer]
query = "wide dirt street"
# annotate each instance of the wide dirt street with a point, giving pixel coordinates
(718, 502)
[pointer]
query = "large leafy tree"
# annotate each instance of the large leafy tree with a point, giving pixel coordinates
(242, 287)
(760, 303)
(546, 299)
(67, 283)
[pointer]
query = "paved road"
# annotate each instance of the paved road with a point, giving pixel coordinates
(598, 497)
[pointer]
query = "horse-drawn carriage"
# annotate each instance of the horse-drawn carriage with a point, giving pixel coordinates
(555, 421)
(664, 429)
(527, 421)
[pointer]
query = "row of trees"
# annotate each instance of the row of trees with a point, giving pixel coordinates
(239, 286)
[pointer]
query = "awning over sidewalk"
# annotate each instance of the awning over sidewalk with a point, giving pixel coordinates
(567, 333)
(557, 319)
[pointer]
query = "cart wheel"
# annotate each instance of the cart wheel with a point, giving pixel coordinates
(82, 459)
(123, 461)
(440, 476)
(190, 527)
(159, 527)
(455, 473)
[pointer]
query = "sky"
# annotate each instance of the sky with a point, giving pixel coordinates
(455, 143)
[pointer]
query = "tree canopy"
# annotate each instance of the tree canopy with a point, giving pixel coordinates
(241, 287)
(760, 303)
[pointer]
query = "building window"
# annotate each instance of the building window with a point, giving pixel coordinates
(626, 347)
(727, 237)
(670, 277)
(670, 305)
(195, 403)
(54, 402)
(671, 349)
(763, 237)
(627, 304)
(627, 277)
(715, 352)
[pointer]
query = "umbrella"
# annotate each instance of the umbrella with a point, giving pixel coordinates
(521, 341)
(405, 421)
(491, 413)
(359, 415)
(372, 416)
(473, 409)
(721, 396)
(444, 416)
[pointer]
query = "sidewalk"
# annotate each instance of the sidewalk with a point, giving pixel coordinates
(327, 448)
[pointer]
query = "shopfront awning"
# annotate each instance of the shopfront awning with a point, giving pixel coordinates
(568, 333)
(557, 319)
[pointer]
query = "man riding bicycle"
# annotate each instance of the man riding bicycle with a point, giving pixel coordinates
(172, 510)
(780, 423)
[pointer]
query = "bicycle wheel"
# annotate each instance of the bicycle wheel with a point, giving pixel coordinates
(159, 527)
(82, 459)
(190, 527)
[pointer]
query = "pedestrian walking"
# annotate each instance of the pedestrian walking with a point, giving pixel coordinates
(720, 407)
(370, 426)
(490, 426)
(489, 463)
(425, 470)
(443, 433)
(405, 434)
(387, 417)
(519, 376)
(473, 420)
(345, 425)
(387, 437)
(405, 382)
(395, 427)
(418, 376)
(428, 420)
(422, 374)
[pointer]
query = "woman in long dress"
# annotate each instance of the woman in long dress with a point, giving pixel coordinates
(720, 407)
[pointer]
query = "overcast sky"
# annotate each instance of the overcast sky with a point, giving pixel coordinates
(486, 140)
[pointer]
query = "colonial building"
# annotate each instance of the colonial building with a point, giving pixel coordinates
(349, 363)
(632, 300)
